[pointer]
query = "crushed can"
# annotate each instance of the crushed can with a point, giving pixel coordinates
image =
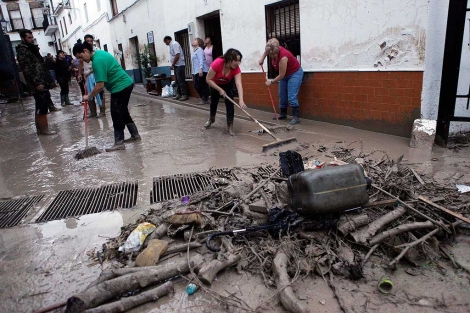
(328, 190)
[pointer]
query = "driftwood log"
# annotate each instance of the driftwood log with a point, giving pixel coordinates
(115, 287)
(208, 271)
(365, 233)
(289, 300)
(110, 274)
(351, 224)
(128, 303)
(399, 230)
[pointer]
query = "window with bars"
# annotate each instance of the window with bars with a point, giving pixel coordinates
(70, 19)
(182, 37)
(37, 14)
(283, 23)
(16, 20)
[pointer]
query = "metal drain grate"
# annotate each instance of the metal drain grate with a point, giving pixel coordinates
(78, 202)
(176, 186)
(13, 211)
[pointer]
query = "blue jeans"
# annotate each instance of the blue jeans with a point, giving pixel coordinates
(289, 88)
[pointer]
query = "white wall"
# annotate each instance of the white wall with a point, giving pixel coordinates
(357, 35)
(38, 34)
(344, 35)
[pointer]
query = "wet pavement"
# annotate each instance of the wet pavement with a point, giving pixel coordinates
(41, 264)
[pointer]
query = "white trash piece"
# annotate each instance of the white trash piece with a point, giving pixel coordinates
(137, 237)
(463, 188)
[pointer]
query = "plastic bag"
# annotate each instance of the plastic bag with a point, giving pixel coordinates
(167, 92)
(137, 237)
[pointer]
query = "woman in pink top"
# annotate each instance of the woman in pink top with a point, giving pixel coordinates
(223, 72)
(289, 78)
(208, 51)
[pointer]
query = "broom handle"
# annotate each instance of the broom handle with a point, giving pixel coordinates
(85, 107)
(249, 115)
(270, 94)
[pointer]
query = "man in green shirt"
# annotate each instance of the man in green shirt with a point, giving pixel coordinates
(109, 74)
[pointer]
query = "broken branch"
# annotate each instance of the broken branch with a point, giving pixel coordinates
(208, 271)
(367, 232)
(128, 303)
(287, 296)
(399, 230)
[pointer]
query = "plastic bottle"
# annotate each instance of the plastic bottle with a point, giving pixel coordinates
(328, 190)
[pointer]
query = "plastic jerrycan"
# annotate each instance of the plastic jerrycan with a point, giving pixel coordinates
(332, 189)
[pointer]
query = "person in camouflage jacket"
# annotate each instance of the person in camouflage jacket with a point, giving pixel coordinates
(38, 78)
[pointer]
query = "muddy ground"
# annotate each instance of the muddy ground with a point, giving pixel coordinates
(41, 264)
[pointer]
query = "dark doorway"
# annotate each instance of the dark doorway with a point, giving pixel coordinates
(212, 29)
(134, 47)
(121, 56)
(450, 94)
(182, 37)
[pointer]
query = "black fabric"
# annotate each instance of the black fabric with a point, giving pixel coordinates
(61, 69)
(42, 101)
(283, 221)
(291, 163)
(180, 76)
(200, 85)
(230, 110)
(64, 85)
(119, 109)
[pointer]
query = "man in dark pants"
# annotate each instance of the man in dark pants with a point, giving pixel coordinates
(38, 78)
(62, 71)
(109, 73)
(178, 65)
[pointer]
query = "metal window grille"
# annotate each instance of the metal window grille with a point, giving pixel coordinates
(61, 28)
(16, 20)
(182, 37)
(37, 14)
(283, 23)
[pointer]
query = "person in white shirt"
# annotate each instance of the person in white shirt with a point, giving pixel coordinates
(178, 65)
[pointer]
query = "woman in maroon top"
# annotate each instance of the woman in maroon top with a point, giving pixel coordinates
(289, 78)
(224, 71)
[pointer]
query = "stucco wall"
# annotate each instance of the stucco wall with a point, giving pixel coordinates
(346, 35)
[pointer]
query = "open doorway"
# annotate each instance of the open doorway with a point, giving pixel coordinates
(134, 48)
(212, 29)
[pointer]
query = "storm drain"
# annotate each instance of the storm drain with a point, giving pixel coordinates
(13, 211)
(176, 186)
(78, 202)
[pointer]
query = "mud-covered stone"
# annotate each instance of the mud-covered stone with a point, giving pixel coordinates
(423, 134)
(258, 206)
(152, 253)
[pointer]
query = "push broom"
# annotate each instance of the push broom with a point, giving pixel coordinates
(279, 142)
(88, 151)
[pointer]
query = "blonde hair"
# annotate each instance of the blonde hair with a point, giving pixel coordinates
(200, 42)
(272, 46)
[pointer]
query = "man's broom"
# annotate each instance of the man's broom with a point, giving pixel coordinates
(279, 142)
(88, 151)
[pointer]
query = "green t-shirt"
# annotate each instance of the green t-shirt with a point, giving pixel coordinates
(108, 70)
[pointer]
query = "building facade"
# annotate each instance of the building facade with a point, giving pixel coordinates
(374, 65)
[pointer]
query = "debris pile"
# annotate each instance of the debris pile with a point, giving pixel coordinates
(408, 217)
